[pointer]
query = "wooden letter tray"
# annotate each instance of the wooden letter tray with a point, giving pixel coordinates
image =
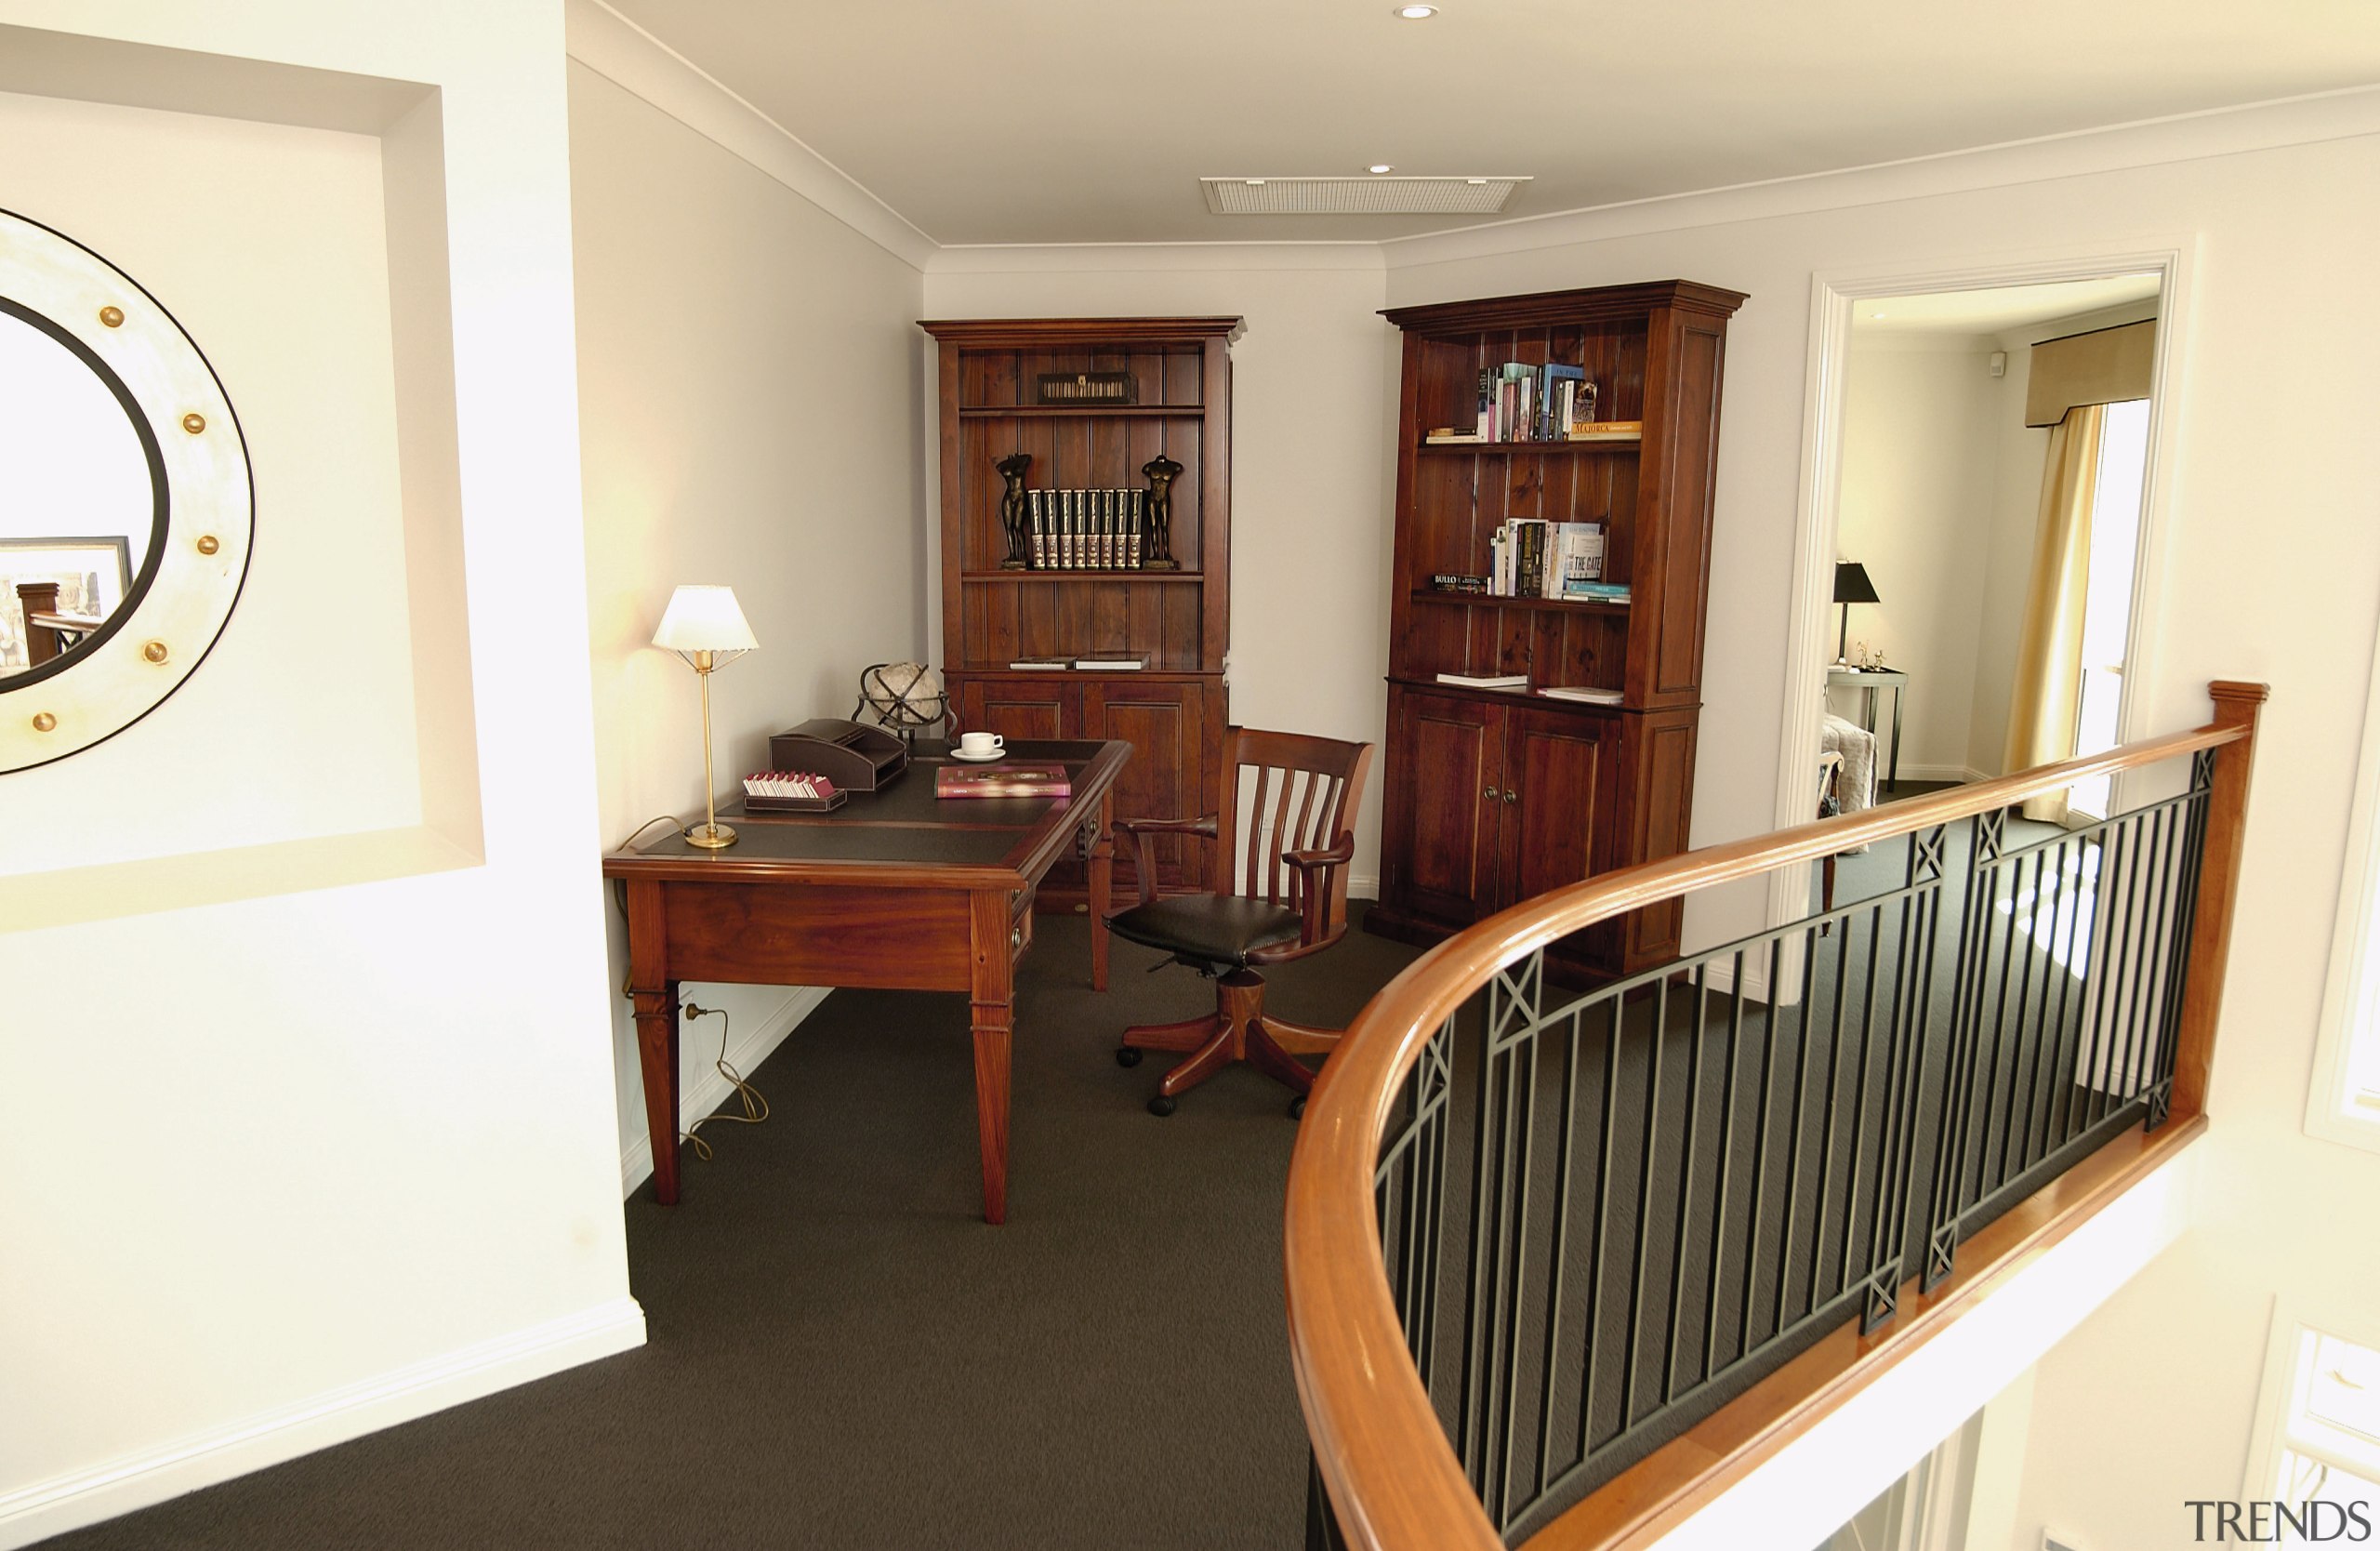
(853, 757)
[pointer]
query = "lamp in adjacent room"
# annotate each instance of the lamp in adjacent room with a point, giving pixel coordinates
(1851, 585)
(704, 626)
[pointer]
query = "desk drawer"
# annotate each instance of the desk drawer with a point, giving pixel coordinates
(1020, 923)
(818, 934)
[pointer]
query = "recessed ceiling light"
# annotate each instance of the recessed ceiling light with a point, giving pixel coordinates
(1380, 167)
(1416, 13)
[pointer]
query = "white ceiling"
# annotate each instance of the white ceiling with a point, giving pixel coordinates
(2003, 307)
(1083, 121)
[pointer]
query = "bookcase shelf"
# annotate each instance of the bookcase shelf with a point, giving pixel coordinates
(1130, 578)
(1543, 605)
(1172, 712)
(1065, 411)
(1445, 449)
(1494, 796)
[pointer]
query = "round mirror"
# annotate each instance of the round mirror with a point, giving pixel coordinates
(126, 508)
(79, 514)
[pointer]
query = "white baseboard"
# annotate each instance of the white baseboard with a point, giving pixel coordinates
(707, 1092)
(1960, 772)
(1363, 885)
(64, 1502)
(1721, 978)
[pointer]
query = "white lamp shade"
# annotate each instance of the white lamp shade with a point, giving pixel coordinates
(704, 619)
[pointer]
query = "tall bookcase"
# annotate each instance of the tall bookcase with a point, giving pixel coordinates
(1177, 405)
(1494, 796)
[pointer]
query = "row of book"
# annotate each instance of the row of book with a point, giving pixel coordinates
(1112, 662)
(1522, 402)
(1085, 530)
(1533, 557)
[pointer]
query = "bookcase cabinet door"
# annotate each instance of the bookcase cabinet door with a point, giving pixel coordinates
(1445, 805)
(1027, 709)
(1566, 771)
(1172, 725)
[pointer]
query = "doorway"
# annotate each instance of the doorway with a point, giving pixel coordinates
(1926, 470)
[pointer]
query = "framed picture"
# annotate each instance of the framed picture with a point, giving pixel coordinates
(92, 574)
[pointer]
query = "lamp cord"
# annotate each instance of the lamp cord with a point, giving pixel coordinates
(756, 1106)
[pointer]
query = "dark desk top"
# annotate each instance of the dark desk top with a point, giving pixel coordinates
(903, 833)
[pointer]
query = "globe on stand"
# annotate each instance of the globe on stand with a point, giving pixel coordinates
(908, 697)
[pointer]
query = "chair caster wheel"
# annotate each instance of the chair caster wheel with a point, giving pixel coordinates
(1127, 1056)
(1160, 1107)
(1297, 1108)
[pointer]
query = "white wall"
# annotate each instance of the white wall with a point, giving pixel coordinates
(2272, 572)
(1314, 378)
(276, 1181)
(752, 415)
(1919, 439)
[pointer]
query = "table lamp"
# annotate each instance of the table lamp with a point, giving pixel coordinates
(1851, 585)
(703, 625)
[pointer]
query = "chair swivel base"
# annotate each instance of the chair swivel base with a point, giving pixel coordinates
(1238, 1029)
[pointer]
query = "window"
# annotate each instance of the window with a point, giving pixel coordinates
(2320, 1429)
(2344, 1102)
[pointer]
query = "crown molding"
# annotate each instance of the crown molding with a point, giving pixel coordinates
(1153, 257)
(632, 59)
(2188, 136)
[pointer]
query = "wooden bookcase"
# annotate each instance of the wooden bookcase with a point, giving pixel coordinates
(1496, 796)
(1172, 712)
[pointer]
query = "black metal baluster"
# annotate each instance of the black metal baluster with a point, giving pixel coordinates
(2185, 926)
(1859, 1105)
(1557, 1259)
(2146, 948)
(1467, 1437)
(1524, 1058)
(1833, 1106)
(1644, 1206)
(1602, 1226)
(2021, 1072)
(1760, 1153)
(1686, 1185)
(2072, 897)
(2153, 1012)
(1727, 1170)
(2105, 948)
(1985, 1184)
(1801, 1107)
(1966, 1021)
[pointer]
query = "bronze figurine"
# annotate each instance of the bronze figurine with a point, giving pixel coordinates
(1012, 512)
(1157, 542)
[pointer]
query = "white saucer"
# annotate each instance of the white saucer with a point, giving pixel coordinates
(979, 759)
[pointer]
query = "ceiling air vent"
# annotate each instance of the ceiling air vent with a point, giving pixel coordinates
(1357, 196)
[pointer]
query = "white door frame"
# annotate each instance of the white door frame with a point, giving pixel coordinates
(1833, 293)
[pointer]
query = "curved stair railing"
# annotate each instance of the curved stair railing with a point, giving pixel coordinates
(1563, 1265)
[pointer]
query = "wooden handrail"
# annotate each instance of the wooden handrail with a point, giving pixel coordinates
(1393, 1480)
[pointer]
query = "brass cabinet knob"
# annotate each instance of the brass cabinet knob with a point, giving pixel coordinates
(1489, 794)
(1511, 796)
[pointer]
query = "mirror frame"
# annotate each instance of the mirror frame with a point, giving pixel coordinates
(204, 524)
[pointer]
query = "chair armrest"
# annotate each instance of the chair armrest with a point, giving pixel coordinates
(1314, 867)
(1138, 831)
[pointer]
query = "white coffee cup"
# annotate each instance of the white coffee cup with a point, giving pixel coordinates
(981, 743)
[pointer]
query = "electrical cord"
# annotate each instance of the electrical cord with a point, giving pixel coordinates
(756, 1106)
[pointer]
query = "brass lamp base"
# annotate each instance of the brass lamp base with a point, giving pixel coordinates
(710, 837)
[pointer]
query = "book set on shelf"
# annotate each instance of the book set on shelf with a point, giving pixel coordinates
(1584, 695)
(1085, 530)
(1535, 557)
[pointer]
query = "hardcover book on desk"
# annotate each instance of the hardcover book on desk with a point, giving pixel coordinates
(1002, 781)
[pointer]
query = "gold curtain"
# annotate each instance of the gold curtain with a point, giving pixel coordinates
(2048, 689)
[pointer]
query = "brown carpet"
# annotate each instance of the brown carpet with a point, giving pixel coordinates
(843, 1355)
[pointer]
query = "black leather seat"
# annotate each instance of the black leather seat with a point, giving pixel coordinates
(1209, 931)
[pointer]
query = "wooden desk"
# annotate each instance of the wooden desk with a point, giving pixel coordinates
(896, 889)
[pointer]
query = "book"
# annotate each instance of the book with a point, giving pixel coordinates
(1113, 664)
(1595, 592)
(1005, 778)
(1578, 555)
(1457, 581)
(1580, 693)
(1040, 664)
(1485, 680)
(1608, 430)
(1443, 434)
(1038, 506)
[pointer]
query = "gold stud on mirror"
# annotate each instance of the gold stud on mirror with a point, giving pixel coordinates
(155, 651)
(193, 423)
(45, 723)
(112, 316)
(208, 543)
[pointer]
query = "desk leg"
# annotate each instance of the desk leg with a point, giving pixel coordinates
(655, 995)
(1101, 870)
(992, 1005)
(1892, 771)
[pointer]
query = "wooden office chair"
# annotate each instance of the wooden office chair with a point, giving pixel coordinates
(1277, 895)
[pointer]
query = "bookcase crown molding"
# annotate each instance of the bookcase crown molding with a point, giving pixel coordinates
(1587, 305)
